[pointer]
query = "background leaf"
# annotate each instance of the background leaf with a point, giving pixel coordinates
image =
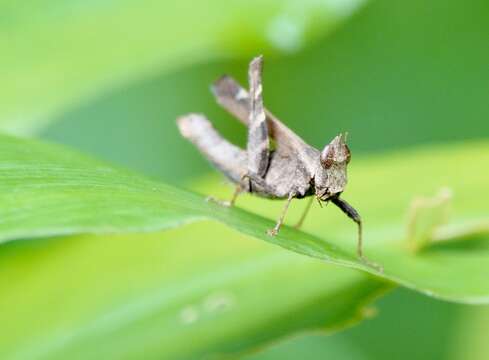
(438, 318)
(395, 75)
(471, 342)
(56, 54)
(399, 74)
(113, 300)
(81, 195)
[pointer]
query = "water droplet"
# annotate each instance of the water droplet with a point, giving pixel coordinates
(369, 312)
(242, 94)
(343, 8)
(218, 302)
(286, 32)
(189, 315)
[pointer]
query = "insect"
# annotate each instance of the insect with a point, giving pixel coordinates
(292, 169)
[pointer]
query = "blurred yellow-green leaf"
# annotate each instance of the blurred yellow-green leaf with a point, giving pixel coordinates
(145, 296)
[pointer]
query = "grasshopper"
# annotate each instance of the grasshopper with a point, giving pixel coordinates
(293, 169)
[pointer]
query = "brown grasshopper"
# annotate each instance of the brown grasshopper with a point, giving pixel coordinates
(293, 169)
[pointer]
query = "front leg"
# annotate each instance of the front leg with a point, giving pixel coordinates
(355, 216)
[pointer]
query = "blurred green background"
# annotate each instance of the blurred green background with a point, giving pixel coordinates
(395, 75)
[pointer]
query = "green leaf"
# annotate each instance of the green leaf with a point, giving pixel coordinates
(470, 338)
(145, 296)
(59, 53)
(46, 190)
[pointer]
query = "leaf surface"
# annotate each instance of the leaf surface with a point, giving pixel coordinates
(145, 295)
(46, 190)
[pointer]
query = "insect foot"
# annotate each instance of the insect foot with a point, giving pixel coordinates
(372, 264)
(272, 232)
(218, 202)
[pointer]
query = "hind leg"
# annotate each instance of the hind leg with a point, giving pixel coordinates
(228, 158)
(258, 146)
(250, 110)
(238, 189)
(257, 149)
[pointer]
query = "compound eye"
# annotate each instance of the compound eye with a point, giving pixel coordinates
(348, 154)
(327, 157)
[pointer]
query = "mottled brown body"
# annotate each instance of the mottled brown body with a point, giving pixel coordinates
(293, 169)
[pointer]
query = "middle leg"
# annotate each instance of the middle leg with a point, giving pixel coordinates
(278, 225)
